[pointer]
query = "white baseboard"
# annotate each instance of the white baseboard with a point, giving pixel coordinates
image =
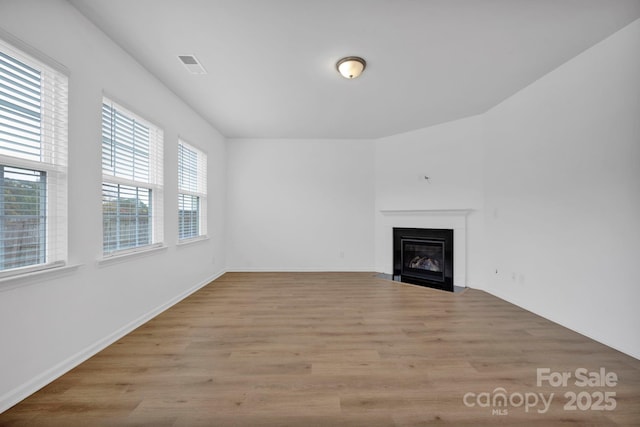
(475, 285)
(25, 390)
(300, 270)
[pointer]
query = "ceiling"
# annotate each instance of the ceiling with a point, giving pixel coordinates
(271, 63)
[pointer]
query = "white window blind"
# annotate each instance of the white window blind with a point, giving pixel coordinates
(192, 192)
(131, 180)
(33, 163)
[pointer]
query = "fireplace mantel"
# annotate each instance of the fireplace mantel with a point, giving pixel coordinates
(418, 212)
(454, 219)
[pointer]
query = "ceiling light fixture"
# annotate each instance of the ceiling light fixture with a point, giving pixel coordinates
(351, 66)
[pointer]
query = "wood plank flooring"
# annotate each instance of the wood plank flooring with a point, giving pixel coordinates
(334, 349)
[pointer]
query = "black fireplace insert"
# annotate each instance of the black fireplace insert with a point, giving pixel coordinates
(423, 256)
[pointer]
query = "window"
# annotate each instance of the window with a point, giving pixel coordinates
(192, 192)
(131, 180)
(33, 163)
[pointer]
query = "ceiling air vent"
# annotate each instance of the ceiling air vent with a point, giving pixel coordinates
(191, 63)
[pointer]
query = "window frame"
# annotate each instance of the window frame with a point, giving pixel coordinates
(197, 189)
(153, 182)
(53, 142)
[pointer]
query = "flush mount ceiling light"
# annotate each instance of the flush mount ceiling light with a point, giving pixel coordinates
(351, 66)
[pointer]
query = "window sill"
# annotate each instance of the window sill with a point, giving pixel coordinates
(191, 241)
(31, 277)
(128, 255)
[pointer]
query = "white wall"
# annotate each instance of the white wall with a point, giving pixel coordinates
(450, 155)
(562, 181)
(49, 325)
(300, 205)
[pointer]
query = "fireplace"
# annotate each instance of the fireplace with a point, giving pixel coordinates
(423, 256)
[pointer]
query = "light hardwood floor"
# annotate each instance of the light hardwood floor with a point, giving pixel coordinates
(332, 349)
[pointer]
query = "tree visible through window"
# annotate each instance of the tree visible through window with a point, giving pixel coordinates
(23, 219)
(126, 216)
